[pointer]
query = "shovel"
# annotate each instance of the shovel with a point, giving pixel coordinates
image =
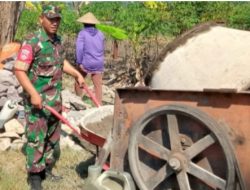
(105, 151)
(91, 95)
(89, 136)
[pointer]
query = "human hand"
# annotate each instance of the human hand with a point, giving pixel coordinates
(36, 101)
(80, 80)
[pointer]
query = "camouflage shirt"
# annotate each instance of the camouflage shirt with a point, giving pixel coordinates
(42, 58)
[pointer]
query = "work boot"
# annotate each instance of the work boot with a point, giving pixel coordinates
(35, 181)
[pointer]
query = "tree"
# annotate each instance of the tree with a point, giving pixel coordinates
(9, 14)
(77, 6)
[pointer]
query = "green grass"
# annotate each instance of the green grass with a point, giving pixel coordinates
(87, 100)
(12, 171)
(72, 166)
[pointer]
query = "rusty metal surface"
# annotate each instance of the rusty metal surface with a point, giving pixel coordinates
(231, 110)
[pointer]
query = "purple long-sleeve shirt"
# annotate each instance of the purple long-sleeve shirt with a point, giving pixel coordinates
(90, 49)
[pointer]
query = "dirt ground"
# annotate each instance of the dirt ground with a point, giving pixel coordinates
(72, 166)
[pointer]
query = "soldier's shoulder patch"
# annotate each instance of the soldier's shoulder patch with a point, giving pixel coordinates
(24, 58)
(25, 54)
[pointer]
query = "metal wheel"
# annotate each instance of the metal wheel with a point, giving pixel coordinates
(179, 147)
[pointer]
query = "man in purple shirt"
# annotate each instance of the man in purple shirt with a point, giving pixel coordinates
(90, 53)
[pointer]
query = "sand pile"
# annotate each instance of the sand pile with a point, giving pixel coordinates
(217, 57)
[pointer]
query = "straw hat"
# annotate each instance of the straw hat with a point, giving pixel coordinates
(88, 18)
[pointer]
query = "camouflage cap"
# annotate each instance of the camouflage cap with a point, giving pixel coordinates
(51, 11)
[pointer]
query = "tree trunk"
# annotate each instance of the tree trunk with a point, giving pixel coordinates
(77, 6)
(10, 12)
(115, 49)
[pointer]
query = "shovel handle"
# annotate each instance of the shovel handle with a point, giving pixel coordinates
(63, 119)
(88, 136)
(92, 96)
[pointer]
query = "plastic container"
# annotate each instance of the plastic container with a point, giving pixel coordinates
(21, 115)
(108, 180)
(94, 172)
(114, 180)
(8, 111)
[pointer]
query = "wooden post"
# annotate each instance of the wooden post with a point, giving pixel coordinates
(115, 49)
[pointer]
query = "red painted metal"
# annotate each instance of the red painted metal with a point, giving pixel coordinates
(85, 134)
(92, 96)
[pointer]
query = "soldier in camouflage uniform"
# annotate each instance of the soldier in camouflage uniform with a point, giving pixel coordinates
(39, 68)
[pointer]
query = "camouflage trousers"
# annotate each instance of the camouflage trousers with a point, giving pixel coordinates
(43, 134)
